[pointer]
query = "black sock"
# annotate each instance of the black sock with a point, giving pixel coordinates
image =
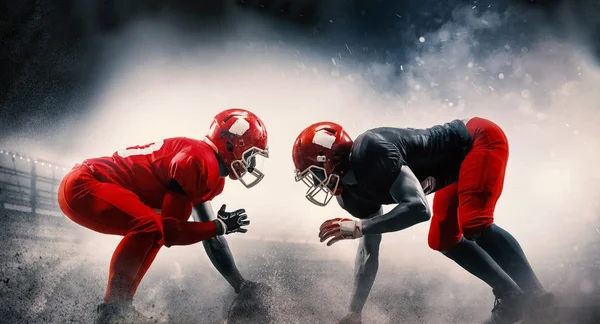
(509, 255)
(474, 259)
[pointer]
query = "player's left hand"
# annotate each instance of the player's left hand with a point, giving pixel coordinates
(340, 229)
(231, 222)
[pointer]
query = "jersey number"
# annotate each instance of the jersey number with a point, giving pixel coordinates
(141, 149)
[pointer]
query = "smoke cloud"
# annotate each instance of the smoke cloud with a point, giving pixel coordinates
(532, 72)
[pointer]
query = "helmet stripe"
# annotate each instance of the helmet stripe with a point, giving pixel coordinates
(239, 127)
(324, 138)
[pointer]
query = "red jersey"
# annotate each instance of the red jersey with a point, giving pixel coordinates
(146, 170)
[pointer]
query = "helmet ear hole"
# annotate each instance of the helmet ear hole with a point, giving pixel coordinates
(229, 146)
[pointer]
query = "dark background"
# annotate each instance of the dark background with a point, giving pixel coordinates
(51, 52)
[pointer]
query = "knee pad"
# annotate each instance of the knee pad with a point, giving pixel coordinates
(440, 242)
(433, 241)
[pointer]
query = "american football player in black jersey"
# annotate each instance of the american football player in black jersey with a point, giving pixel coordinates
(463, 162)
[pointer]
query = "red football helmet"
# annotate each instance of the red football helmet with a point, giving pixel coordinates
(239, 137)
(321, 155)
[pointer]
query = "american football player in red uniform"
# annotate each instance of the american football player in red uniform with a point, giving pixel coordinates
(462, 161)
(120, 194)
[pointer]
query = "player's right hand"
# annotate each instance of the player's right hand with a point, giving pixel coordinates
(231, 222)
(351, 318)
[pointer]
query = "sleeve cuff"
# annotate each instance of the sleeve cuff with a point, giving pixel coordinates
(221, 227)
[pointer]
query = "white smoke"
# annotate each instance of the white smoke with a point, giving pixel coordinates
(544, 96)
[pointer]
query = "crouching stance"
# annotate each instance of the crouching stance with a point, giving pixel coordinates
(463, 162)
(118, 195)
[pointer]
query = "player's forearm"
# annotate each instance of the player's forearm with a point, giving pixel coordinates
(222, 259)
(218, 250)
(366, 266)
(401, 217)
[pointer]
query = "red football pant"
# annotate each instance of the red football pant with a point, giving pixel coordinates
(466, 207)
(111, 209)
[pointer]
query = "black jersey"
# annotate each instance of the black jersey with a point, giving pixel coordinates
(433, 154)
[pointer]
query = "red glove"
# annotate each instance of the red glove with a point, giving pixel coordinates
(340, 229)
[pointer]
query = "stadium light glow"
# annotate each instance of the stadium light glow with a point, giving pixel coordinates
(29, 160)
(23, 157)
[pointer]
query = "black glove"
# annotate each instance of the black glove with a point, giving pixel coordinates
(231, 222)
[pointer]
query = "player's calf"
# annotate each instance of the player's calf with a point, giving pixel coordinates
(507, 252)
